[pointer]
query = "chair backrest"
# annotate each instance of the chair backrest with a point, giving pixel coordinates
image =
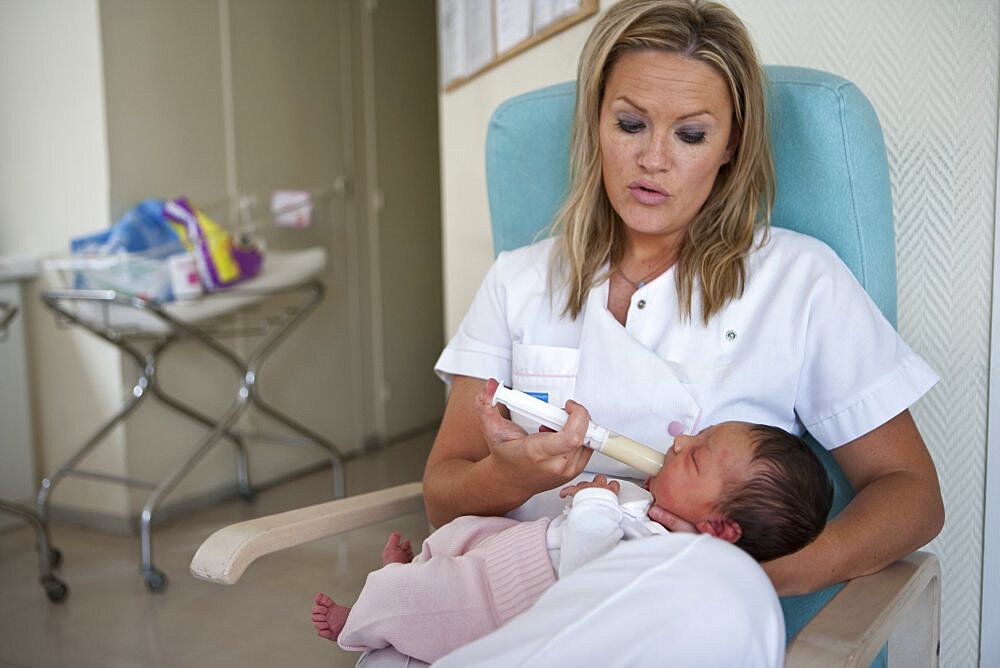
(832, 173)
(832, 183)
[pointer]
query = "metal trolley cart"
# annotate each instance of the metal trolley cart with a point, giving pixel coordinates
(48, 556)
(144, 329)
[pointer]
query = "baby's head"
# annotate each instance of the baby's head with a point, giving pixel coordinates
(753, 485)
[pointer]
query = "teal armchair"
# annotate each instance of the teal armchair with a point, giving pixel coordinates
(832, 183)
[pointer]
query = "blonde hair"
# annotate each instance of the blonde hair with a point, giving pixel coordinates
(716, 243)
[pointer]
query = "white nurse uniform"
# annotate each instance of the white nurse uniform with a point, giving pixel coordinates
(804, 348)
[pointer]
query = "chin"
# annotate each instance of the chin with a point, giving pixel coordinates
(644, 220)
(647, 228)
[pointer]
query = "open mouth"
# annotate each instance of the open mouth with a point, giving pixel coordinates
(646, 187)
(647, 194)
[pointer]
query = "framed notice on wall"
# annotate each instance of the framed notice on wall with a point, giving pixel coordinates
(475, 35)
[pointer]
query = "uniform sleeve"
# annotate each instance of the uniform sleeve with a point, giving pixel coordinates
(482, 346)
(592, 528)
(857, 371)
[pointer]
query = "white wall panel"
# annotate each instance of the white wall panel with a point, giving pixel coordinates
(930, 68)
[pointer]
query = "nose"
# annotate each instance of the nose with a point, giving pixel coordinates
(681, 441)
(655, 154)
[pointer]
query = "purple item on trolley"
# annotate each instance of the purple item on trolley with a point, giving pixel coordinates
(221, 263)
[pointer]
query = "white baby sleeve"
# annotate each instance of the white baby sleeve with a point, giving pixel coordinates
(592, 528)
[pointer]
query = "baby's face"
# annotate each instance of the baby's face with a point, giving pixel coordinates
(698, 469)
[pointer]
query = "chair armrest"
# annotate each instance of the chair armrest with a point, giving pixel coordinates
(899, 605)
(225, 554)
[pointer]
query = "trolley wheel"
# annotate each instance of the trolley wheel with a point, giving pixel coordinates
(155, 579)
(55, 589)
(55, 557)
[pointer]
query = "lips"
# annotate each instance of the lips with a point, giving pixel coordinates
(647, 193)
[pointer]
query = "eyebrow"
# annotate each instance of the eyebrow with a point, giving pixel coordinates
(643, 110)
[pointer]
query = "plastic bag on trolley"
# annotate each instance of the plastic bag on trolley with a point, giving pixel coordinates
(130, 257)
(162, 250)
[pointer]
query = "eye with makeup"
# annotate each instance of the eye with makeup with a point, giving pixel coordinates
(691, 136)
(630, 125)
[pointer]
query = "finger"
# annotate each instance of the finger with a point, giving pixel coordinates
(579, 418)
(484, 400)
(670, 521)
(563, 445)
(485, 397)
(577, 461)
(495, 427)
(660, 515)
(487, 391)
(323, 599)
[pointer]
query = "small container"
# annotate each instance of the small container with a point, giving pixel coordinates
(184, 279)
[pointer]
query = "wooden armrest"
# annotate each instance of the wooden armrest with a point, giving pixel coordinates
(899, 605)
(225, 554)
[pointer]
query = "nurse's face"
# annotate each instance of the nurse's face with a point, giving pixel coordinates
(665, 126)
(699, 469)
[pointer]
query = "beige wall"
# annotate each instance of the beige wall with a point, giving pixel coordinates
(54, 185)
(930, 69)
(464, 114)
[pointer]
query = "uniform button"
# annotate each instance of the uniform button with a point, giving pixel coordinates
(675, 428)
(641, 303)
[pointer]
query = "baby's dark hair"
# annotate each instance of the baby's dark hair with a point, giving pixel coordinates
(783, 505)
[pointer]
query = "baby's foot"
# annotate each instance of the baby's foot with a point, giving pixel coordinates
(397, 550)
(328, 618)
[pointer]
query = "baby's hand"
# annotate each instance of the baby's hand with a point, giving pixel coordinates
(600, 480)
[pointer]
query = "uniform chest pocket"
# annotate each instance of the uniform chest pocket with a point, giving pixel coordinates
(545, 372)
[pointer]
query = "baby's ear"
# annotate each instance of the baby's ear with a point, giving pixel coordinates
(724, 528)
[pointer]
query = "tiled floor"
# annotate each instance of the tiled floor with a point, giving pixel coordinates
(111, 620)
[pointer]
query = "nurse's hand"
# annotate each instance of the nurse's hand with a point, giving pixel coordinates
(534, 462)
(670, 521)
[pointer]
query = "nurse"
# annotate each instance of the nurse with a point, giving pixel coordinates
(665, 304)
